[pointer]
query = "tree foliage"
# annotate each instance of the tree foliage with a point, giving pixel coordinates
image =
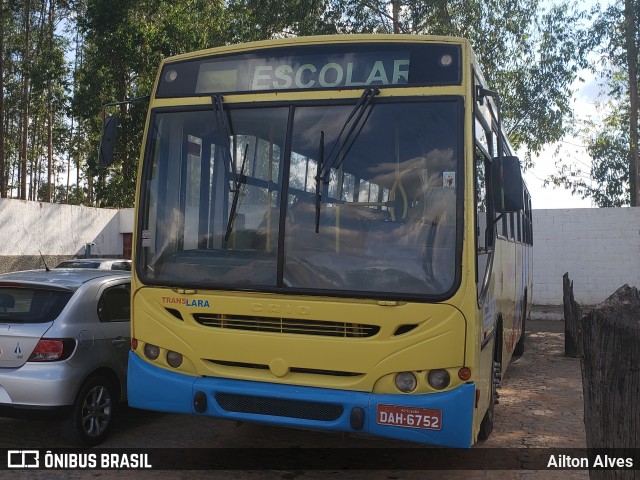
(608, 136)
(109, 50)
(529, 55)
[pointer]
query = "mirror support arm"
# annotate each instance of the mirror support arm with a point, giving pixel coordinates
(129, 101)
(109, 130)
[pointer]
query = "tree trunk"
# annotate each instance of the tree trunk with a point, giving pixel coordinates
(611, 376)
(33, 166)
(632, 63)
(25, 103)
(3, 168)
(50, 108)
(395, 8)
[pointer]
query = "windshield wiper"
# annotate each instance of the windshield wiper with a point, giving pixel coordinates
(225, 137)
(235, 180)
(319, 182)
(324, 168)
(239, 180)
(345, 144)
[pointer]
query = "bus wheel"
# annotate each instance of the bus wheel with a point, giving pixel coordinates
(519, 350)
(486, 427)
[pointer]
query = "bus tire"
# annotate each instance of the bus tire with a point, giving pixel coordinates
(519, 350)
(486, 426)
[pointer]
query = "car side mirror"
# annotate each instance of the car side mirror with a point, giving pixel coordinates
(508, 187)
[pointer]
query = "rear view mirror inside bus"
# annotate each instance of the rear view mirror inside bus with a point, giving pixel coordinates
(108, 141)
(508, 190)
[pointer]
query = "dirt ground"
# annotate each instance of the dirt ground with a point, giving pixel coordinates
(540, 407)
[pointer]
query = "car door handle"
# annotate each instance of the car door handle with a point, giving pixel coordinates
(119, 341)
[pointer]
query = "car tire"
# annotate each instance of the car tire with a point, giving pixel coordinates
(93, 412)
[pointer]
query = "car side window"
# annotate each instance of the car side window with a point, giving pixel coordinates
(115, 304)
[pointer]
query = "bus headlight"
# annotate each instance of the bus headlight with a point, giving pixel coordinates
(439, 379)
(174, 359)
(152, 352)
(406, 382)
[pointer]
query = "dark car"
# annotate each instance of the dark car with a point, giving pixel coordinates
(100, 263)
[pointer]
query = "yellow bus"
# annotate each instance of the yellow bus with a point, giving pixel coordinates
(331, 232)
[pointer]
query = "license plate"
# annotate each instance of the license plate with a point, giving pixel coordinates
(413, 417)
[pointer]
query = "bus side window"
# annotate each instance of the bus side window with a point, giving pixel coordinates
(484, 222)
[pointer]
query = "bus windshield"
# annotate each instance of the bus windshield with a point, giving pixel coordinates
(387, 202)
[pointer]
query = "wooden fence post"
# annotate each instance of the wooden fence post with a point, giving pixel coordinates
(572, 316)
(610, 351)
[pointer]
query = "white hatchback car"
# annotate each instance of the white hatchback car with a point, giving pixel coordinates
(64, 342)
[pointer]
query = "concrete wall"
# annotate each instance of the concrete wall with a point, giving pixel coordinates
(58, 232)
(599, 248)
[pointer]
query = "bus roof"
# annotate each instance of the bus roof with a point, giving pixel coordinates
(319, 40)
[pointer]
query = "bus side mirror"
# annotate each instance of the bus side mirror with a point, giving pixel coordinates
(508, 188)
(108, 141)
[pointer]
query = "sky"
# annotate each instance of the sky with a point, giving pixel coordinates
(572, 149)
(584, 99)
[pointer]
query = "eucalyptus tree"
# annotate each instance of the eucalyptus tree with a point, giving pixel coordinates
(530, 55)
(252, 20)
(611, 136)
(33, 79)
(3, 170)
(123, 43)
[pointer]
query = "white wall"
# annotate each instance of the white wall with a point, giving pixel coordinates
(30, 228)
(599, 248)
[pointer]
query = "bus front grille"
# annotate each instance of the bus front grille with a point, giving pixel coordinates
(287, 325)
(279, 407)
(312, 371)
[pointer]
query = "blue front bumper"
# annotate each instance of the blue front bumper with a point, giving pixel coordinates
(154, 388)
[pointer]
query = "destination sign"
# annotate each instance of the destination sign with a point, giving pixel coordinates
(318, 71)
(314, 68)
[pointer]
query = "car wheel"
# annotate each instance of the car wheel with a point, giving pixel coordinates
(92, 415)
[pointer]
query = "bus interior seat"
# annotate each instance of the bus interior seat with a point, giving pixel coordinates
(441, 212)
(426, 236)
